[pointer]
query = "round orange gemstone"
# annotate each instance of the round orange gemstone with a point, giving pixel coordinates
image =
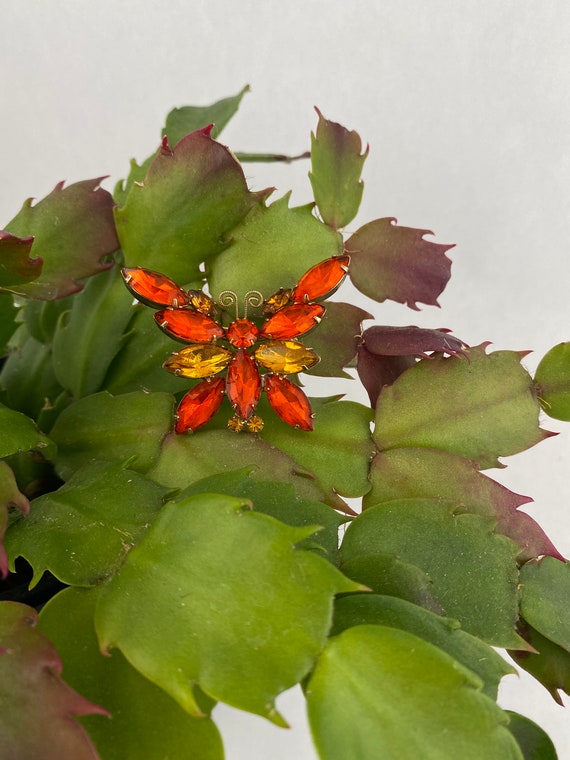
(153, 289)
(242, 333)
(188, 325)
(289, 402)
(293, 320)
(243, 384)
(199, 405)
(322, 279)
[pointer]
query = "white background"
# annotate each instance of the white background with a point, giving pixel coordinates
(466, 108)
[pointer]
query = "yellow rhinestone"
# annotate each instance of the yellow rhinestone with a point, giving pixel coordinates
(285, 357)
(199, 360)
(201, 302)
(254, 424)
(277, 301)
(236, 424)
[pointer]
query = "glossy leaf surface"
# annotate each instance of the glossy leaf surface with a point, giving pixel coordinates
(16, 264)
(473, 569)
(446, 634)
(230, 631)
(552, 379)
(19, 433)
(336, 166)
(481, 409)
(109, 428)
(180, 214)
(83, 531)
(145, 722)
(361, 703)
(73, 230)
(38, 708)
(397, 263)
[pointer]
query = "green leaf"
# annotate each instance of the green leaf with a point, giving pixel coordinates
(533, 741)
(337, 338)
(74, 230)
(271, 249)
(19, 433)
(82, 532)
(181, 121)
(192, 196)
(364, 609)
(473, 569)
(387, 261)
(41, 317)
(545, 598)
(338, 451)
(184, 460)
(211, 610)
(89, 335)
(336, 166)
(378, 692)
(480, 408)
(8, 324)
(10, 496)
(550, 665)
(145, 722)
(553, 382)
(430, 473)
(16, 266)
(109, 428)
(279, 500)
(37, 707)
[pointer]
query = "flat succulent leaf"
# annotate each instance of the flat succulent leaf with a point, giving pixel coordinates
(16, 265)
(552, 380)
(545, 598)
(73, 230)
(409, 473)
(481, 408)
(376, 371)
(336, 165)
(186, 459)
(397, 263)
(19, 433)
(27, 379)
(41, 317)
(279, 500)
(8, 324)
(411, 341)
(336, 339)
(82, 532)
(181, 121)
(90, 335)
(379, 692)
(10, 496)
(271, 249)
(179, 216)
(37, 708)
(548, 663)
(368, 609)
(145, 722)
(138, 365)
(110, 428)
(210, 611)
(473, 569)
(534, 742)
(337, 451)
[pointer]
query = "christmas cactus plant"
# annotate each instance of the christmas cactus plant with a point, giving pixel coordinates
(178, 517)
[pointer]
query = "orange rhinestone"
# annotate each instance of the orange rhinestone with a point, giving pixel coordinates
(243, 384)
(188, 325)
(289, 402)
(322, 279)
(293, 320)
(153, 289)
(199, 405)
(242, 333)
(277, 301)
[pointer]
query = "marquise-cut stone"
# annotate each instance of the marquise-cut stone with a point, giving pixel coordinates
(277, 301)
(202, 302)
(199, 405)
(188, 325)
(293, 320)
(201, 360)
(289, 402)
(153, 289)
(243, 384)
(285, 357)
(242, 333)
(322, 279)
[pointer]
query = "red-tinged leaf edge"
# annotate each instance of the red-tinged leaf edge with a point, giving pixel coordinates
(16, 266)
(376, 371)
(397, 263)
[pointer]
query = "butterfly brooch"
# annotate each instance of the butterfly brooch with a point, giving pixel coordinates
(252, 358)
